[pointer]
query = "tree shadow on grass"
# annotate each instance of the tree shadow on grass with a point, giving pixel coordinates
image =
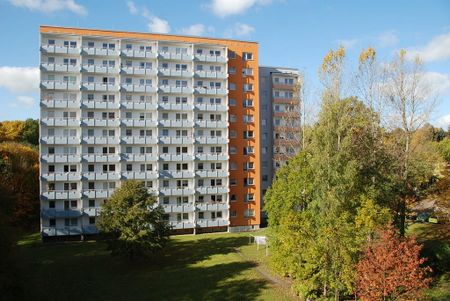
(188, 269)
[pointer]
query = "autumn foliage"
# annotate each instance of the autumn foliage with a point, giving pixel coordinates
(391, 268)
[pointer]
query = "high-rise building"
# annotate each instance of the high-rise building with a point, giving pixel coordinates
(279, 107)
(177, 112)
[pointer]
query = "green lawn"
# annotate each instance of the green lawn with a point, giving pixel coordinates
(203, 267)
(436, 241)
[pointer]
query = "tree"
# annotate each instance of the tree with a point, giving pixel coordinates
(134, 221)
(11, 130)
(391, 268)
(30, 132)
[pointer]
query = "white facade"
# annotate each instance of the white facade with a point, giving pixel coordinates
(119, 109)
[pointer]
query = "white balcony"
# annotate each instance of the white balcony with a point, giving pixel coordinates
(100, 69)
(100, 87)
(212, 173)
(60, 140)
(138, 88)
(100, 51)
(100, 122)
(101, 158)
(139, 71)
(100, 140)
(178, 208)
(175, 56)
(210, 74)
(176, 174)
(61, 213)
(203, 223)
(211, 207)
(211, 58)
(60, 49)
(211, 140)
(176, 140)
(92, 211)
(175, 89)
(176, 123)
(176, 157)
(62, 176)
(62, 195)
(98, 176)
(140, 175)
(59, 85)
(61, 231)
(97, 193)
(139, 105)
(175, 73)
(212, 157)
(60, 68)
(212, 190)
(61, 158)
(60, 121)
(211, 124)
(139, 157)
(139, 140)
(139, 122)
(211, 107)
(210, 91)
(181, 225)
(176, 191)
(99, 104)
(63, 104)
(175, 106)
(139, 53)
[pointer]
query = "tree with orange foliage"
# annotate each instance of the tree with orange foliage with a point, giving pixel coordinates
(391, 268)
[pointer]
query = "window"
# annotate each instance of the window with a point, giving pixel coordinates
(51, 42)
(265, 178)
(232, 70)
(201, 215)
(232, 86)
(249, 213)
(232, 134)
(248, 87)
(233, 182)
(232, 118)
(231, 54)
(91, 220)
(232, 102)
(247, 56)
(233, 213)
(232, 150)
(248, 134)
(248, 103)
(249, 182)
(52, 222)
(51, 204)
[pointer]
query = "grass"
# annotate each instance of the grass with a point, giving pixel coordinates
(203, 267)
(436, 241)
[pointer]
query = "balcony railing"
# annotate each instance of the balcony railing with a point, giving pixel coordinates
(138, 88)
(175, 89)
(62, 231)
(99, 176)
(211, 140)
(139, 105)
(139, 71)
(60, 140)
(61, 158)
(139, 53)
(60, 85)
(100, 140)
(175, 73)
(61, 213)
(139, 157)
(211, 157)
(176, 157)
(165, 191)
(100, 69)
(210, 91)
(211, 124)
(211, 107)
(62, 195)
(60, 49)
(62, 176)
(212, 190)
(182, 225)
(139, 140)
(100, 122)
(175, 106)
(99, 104)
(63, 104)
(100, 51)
(60, 121)
(203, 223)
(211, 58)
(178, 208)
(211, 207)
(97, 193)
(101, 158)
(212, 173)
(176, 56)
(176, 140)
(140, 175)
(140, 122)
(176, 123)
(60, 67)
(100, 86)
(210, 74)
(176, 174)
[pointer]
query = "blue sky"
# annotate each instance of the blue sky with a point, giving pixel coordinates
(291, 33)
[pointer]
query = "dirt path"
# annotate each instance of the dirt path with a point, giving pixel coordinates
(283, 283)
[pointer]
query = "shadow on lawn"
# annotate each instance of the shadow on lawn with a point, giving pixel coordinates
(188, 269)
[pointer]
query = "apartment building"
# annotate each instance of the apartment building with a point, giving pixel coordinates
(180, 113)
(280, 120)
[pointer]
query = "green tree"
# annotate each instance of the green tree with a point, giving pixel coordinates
(134, 221)
(30, 133)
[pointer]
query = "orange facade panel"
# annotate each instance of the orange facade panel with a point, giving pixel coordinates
(246, 213)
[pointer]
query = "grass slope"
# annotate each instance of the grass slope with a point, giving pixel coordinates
(203, 267)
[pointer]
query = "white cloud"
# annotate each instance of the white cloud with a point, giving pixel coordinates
(23, 102)
(19, 79)
(158, 25)
(194, 30)
(443, 121)
(348, 43)
(155, 24)
(239, 30)
(50, 6)
(224, 8)
(387, 39)
(132, 8)
(437, 49)
(438, 83)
